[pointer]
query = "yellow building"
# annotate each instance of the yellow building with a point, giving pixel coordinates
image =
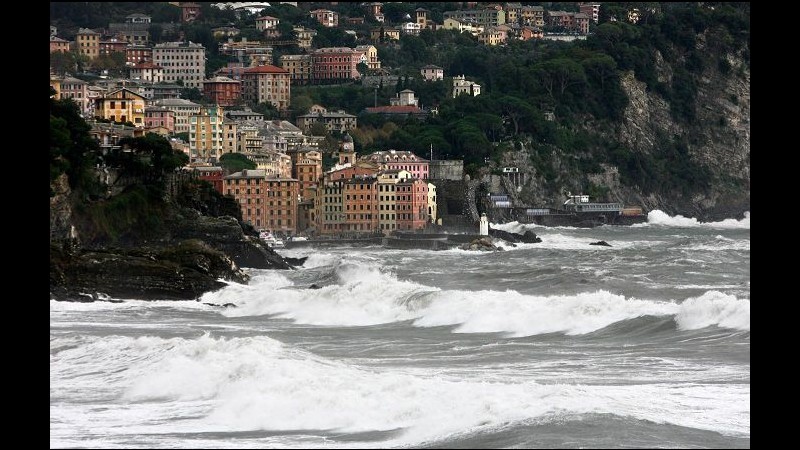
(387, 200)
(88, 42)
(206, 133)
(55, 83)
(121, 105)
(432, 210)
(371, 53)
(230, 140)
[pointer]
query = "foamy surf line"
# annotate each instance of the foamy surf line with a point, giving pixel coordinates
(660, 218)
(259, 383)
(360, 295)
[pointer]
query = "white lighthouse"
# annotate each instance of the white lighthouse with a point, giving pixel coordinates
(484, 225)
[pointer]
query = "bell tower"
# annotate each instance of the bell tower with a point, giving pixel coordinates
(348, 152)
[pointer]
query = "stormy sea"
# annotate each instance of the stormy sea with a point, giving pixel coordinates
(558, 345)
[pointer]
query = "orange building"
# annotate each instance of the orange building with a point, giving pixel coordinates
(307, 169)
(267, 203)
(58, 45)
(361, 204)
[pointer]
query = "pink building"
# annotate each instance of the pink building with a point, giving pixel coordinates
(401, 160)
(156, 116)
(411, 199)
(335, 63)
(326, 17)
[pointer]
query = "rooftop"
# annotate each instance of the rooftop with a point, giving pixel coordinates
(265, 69)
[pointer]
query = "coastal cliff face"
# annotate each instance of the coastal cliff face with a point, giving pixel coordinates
(718, 139)
(681, 145)
(180, 256)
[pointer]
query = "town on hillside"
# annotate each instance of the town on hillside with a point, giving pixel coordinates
(217, 81)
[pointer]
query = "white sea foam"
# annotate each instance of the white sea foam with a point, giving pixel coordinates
(364, 295)
(258, 383)
(658, 217)
(714, 308)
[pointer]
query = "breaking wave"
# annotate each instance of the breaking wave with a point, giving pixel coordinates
(361, 295)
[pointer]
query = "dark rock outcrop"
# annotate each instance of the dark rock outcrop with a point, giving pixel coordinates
(226, 235)
(180, 272)
(528, 238)
(603, 243)
(482, 244)
(295, 262)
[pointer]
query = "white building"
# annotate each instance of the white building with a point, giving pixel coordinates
(462, 86)
(266, 22)
(182, 61)
(432, 73)
(412, 28)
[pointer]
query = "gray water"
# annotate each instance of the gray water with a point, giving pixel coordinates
(558, 344)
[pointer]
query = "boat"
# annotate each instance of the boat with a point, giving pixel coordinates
(271, 240)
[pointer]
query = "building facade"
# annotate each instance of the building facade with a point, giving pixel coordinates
(412, 204)
(136, 54)
(183, 109)
(147, 71)
(333, 120)
(486, 17)
(78, 91)
(185, 61)
(335, 64)
(432, 73)
(223, 91)
(266, 203)
(88, 43)
(299, 68)
(121, 105)
(464, 86)
(326, 17)
(205, 133)
(266, 84)
(361, 205)
(156, 116)
(371, 53)
(58, 45)
(400, 160)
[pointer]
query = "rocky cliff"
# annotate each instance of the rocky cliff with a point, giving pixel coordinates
(148, 248)
(682, 144)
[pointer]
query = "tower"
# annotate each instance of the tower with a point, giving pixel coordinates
(348, 152)
(422, 17)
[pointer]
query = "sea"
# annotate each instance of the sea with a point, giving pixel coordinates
(559, 344)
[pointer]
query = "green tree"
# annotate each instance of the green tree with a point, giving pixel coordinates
(267, 109)
(63, 62)
(236, 162)
(318, 129)
(72, 149)
(301, 104)
(192, 94)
